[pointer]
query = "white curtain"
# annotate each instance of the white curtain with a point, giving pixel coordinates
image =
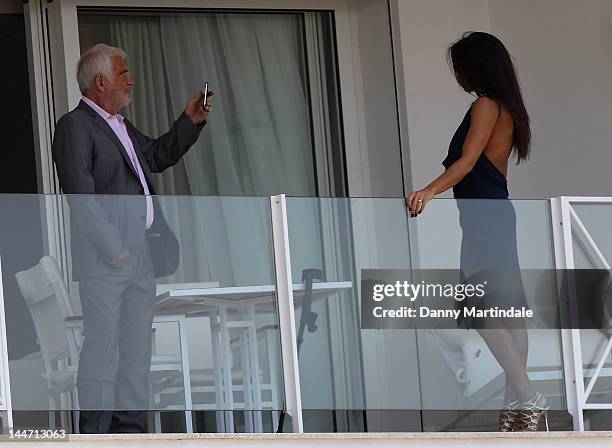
(151, 112)
(151, 107)
(258, 142)
(223, 239)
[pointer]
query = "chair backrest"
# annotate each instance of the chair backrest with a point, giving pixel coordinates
(48, 300)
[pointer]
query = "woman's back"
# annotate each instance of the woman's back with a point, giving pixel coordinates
(499, 147)
(487, 179)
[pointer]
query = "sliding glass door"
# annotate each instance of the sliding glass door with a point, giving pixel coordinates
(285, 118)
(268, 133)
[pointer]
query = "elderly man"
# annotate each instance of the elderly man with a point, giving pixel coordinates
(97, 151)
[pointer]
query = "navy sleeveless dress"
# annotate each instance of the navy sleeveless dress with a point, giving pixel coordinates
(488, 225)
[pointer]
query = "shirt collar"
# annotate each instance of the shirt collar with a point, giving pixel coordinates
(107, 116)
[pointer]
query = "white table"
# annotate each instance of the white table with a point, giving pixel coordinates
(195, 299)
(241, 302)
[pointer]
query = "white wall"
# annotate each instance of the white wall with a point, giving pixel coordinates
(376, 98)
(563, 53)
(435, 104)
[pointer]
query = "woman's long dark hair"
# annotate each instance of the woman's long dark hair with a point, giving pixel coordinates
(483, 65)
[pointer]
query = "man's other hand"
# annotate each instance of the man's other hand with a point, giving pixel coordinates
(195, 110)
(119, 260)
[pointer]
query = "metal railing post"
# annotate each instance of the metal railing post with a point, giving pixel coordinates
(5, 386)
(570, 338)
(286, 311)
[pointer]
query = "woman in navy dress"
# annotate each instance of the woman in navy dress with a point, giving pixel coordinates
(495, 127)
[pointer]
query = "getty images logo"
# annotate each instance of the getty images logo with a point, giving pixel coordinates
(414, 291)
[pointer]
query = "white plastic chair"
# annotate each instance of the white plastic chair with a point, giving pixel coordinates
(49, 304)
(59, 336)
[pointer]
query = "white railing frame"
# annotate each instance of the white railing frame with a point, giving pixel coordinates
(286, 311)
(566, 223)
(6, 408)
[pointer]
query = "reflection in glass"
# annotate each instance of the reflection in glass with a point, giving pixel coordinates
(343, 366)
(86, 337)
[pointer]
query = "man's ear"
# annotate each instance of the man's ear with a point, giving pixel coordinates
(101, 82)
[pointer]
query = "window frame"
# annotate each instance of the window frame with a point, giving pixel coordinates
(54, 49)
(64, 50)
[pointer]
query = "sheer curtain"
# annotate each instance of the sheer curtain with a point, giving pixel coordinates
(151, 112)
(257, 141)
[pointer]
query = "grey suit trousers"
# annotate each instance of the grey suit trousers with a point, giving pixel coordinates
(115, 361)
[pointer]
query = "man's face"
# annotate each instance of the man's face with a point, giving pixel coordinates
(120, 91)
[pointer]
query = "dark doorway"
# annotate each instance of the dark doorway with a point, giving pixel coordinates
(20, 211)
(17, 160)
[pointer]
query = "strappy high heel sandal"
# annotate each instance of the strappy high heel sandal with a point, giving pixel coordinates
(508, 417)
(531, 412)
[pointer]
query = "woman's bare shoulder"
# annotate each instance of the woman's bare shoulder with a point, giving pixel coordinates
(485, 112)
(486, 105)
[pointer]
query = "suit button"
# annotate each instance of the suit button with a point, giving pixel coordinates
(141, 191)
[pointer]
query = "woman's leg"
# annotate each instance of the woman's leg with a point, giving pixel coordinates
(510, 357)
(521, 342)
(510, 393)
(509, 416)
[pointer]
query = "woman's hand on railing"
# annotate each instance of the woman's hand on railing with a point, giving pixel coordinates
(417, 200)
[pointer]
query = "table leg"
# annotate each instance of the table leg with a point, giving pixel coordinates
(215, 337)
(271, 348)
(226, 366)
(182, 327)
(246, 379)
(253, 352)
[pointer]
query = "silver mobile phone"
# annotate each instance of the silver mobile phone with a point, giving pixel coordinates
(205, 94)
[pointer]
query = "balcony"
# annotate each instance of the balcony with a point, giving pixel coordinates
(255, 323)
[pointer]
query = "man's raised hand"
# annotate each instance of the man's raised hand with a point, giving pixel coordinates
(195, 110)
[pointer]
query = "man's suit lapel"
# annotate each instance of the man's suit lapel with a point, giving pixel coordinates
(104, 127)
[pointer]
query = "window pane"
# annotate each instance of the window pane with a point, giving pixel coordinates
(261, 138)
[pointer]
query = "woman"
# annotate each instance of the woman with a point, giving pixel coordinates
(495, 127)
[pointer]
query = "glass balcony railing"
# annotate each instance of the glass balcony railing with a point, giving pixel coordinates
(108, 311)
(105, 314)
(596, 218)
(479, 380)
(343, 366)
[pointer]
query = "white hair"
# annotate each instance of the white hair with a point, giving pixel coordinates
(98, 60)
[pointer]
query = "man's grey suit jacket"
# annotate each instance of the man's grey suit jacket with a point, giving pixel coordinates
(91, 160)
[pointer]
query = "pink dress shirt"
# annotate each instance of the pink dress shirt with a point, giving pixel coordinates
(118, 126)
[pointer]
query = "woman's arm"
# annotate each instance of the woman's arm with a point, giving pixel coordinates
(485, 113)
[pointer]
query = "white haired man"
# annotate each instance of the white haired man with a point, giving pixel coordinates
(97, 151)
